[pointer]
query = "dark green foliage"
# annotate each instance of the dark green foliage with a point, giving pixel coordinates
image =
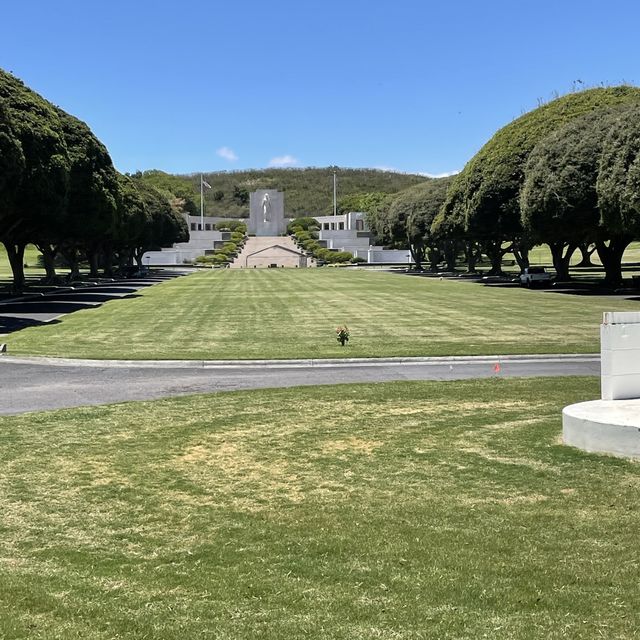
(361, 202)
(304, 223)
(558, 197)
(44, 163)
(581, 185)
(12, 160)
(231, 225)
(618, 185)
(409, 216)
(165, 182)
(240, 195)
(484, 197)
(90, 214)
(39, 199)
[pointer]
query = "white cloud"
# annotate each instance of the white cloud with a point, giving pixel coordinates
(283, 161)
(426, 174)
(446, 174)
(227, 154)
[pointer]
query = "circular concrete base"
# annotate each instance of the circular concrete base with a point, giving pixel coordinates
(603, 426)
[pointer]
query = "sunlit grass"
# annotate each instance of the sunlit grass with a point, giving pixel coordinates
(30, 260)
(403, 510)
(278, 313)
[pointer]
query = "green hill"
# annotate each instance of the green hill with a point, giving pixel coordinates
(307, 191)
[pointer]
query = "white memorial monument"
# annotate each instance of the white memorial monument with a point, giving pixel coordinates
(612, 424)
(266, 213)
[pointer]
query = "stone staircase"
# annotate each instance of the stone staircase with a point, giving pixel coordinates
(256, 243)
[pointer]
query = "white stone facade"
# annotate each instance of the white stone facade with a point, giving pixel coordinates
(344, 232)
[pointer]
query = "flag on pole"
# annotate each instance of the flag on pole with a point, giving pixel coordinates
(206, 184)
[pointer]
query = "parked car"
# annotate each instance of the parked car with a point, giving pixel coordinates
(535, 277)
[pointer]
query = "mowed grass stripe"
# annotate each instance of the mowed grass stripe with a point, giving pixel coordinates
(404, 510)
(278, 313)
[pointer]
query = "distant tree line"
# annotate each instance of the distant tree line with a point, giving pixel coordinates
(60, 191)
(566, 174)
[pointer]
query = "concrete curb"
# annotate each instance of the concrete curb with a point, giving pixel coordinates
(304, 363)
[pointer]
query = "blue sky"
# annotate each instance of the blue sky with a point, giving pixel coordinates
(409, 85)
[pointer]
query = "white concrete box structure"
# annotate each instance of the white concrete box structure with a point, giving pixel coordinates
(612, 424)
(620, 349)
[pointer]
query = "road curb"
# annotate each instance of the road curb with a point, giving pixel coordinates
(300, 363)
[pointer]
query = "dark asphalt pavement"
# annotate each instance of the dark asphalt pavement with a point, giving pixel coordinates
(33, 385)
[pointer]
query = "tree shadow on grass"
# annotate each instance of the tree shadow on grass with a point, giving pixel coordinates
(9, 324)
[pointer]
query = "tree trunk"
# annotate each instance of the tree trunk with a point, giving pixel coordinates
(611, 258)
(71, 256)
(435, 257)
(450, 254)
(473, 253)
(48, 258)
(92, 258)
(495, 252)
(562, 259)
(15, 253)
(521, 254)
(586, 254)
(108, 257)
(417, 254)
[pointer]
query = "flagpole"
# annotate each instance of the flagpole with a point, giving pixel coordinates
(335, 202)
(201, 203)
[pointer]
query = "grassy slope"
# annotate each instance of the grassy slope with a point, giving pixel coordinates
(293, 314)
(308, 191)
(404, 510)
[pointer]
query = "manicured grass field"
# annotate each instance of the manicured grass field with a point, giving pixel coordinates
(403, 510)
(278, 313)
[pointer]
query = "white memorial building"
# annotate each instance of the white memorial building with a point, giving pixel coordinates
(343, 232)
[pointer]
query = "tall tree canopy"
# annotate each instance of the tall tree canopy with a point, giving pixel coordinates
(618, 189)
(409, 215)
(42, 193)
(558, 199)
(485, 196)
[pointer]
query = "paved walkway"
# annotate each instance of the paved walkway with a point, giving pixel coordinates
(36, 384)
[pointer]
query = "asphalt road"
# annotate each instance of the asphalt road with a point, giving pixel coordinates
(32, 384)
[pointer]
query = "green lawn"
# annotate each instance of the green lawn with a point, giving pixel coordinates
(394, 511)
(278, 313)
(539, 255)
(30, 259)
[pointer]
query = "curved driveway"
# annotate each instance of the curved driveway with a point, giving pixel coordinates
(35, 384)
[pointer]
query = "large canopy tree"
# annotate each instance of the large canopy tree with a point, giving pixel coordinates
(486, 194)
(90, 213)
(618, 190)
(40, 197)
(410, 215)
(558, 199)
(164, 225)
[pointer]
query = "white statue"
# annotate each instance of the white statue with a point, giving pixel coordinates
(266, 207)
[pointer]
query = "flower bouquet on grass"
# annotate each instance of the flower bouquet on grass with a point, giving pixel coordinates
(342, 335)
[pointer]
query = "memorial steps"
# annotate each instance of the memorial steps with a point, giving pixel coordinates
(284, 250)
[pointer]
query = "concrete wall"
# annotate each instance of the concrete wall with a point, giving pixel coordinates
(397, 256)
(620, 355)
